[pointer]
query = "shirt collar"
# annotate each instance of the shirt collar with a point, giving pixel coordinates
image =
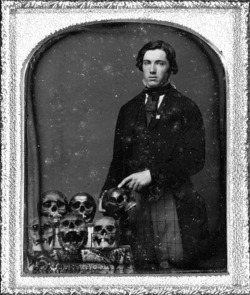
(160, 99)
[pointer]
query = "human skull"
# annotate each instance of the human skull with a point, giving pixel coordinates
(54, 205)
(41, 234)
(105, 233)
(117, 201)
(84, 204)
(43, 264)
(72, 232)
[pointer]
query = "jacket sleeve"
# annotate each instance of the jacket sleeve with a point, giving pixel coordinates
(188, 156)
(115, 173)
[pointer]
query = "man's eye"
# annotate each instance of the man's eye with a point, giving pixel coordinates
(146, 62)
(161, 63)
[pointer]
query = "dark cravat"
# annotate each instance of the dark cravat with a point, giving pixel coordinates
(152, 100)
(151, 106)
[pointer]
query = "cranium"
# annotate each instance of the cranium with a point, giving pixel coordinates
(105, 233)
(43, 264)
(117, 201)
(84, 204)
(53, 204)
(72, 232)
(41, 234)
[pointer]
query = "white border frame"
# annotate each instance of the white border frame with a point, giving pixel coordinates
(26, 25)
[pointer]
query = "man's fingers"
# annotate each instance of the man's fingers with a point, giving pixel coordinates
(125, 180)
(131, 185)
(136, 186)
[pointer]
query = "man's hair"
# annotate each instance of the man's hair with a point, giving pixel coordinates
(158, 44)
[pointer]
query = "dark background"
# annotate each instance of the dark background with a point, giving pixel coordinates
(81, 80)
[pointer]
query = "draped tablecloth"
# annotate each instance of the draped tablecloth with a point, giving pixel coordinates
(89, 261)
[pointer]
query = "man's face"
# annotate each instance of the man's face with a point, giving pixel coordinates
(155, 68)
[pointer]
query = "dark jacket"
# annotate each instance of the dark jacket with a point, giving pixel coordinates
(177, 140)
(172, 148)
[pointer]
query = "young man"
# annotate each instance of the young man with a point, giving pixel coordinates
(159, 143)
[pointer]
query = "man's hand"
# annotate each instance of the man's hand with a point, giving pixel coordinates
(137, 181)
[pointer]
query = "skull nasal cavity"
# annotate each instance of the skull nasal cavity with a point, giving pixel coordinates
(71, 225)
(82, 209)
(103, 232)
(54, 208)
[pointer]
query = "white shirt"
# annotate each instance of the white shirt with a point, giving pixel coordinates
(159, 102)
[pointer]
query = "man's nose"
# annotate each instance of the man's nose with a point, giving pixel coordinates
(152, 68)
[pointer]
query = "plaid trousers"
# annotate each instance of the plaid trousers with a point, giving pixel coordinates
(156, 238)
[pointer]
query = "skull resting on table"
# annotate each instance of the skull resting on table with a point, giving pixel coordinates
(53, 204)
(117, 201)
(106, 234)
(41, 234)
(84, 204)
(43, 264)
(72, 232)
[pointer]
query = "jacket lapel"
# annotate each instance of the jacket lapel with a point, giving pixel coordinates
(134, 112)
(140, 103)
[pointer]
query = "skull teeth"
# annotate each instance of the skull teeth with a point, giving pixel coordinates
(78, 232)
(72, 237)
(104, 242)
(44, 241)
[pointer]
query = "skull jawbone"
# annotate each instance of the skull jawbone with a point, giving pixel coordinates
(105, 245)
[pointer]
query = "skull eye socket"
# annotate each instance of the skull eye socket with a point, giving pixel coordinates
(59, 204)
(42, 264)
(35, 227)
(120, 199)
(76, 205)
(47, 204)
(87, 205)
(98, 228)
(65, 223)
(110, 228)
(78, 222)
